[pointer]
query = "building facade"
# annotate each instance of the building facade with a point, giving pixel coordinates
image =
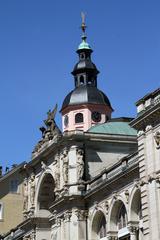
(100, 177)
(11, 198)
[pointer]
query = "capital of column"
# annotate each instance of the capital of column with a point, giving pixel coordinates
(132, 229)
(81, 214)
(67, 216)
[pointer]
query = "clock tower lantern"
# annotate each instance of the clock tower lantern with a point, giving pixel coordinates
(86, 105)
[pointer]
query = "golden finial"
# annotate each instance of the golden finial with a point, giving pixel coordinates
(83, 26)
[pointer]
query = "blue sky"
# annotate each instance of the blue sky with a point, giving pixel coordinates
(38, 40)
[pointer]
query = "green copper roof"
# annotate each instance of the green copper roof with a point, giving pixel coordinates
(121, 128)
(83, 45)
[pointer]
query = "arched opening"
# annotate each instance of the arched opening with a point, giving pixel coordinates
(79, 118)
(99, 226)
(122, 218)
(118, 221)
(46, 195)
(81, 80)
(136, 214)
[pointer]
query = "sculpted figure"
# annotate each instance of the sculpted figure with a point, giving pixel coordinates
(80, 164)
(49, 132)
(65, 165)
(157, 138)
(43, 166)
(57, 172)
(32, 189)
(25, 193)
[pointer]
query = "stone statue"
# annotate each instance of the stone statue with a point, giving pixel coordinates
(25, 194)
(65, 165)
(43, 166)
(50, 131)
(80, 164)
(157, 138)
(32, 189)
(57, 172)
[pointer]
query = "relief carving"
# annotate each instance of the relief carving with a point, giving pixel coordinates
(157, 139)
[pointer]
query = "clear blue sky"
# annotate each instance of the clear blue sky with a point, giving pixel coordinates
(38, 40)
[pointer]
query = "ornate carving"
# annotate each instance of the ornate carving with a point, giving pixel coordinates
(151, 177)
(65, 165)
(140, 133)
(67, 216)
(58, 221)
(80, 164)
(133, 229)
(112, 238)
(25, 194)
(148, 127)
(127, 195)
(49, 132)
(32, 189)
(106, 206)
(157, 139)
(43, 166)
(81, 214)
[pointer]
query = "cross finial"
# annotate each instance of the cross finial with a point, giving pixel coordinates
(83, 26)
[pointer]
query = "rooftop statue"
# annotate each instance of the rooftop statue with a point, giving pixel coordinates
(50, 132)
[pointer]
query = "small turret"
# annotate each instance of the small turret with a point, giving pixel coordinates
(86, 105)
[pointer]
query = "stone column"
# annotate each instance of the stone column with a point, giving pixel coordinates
(58, 224)
(82, 223)
(67, 218)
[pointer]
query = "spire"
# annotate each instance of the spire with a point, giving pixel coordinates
(83, 25)
(83, 44)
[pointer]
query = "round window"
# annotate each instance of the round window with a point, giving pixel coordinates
(96, 116)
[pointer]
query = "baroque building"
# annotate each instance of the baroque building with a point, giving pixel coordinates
(100, 177)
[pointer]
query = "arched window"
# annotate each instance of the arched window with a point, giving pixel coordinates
(79, 118)
(46, 195)
(102, 227)
(122, 217)
(81, 79)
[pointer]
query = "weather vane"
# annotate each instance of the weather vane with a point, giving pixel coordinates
(83, 26)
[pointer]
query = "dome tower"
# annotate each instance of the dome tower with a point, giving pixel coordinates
(86, 105)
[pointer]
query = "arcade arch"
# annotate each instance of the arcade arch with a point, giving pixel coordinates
(46, 195)
(98, 226)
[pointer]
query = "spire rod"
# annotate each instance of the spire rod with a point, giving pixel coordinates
(83, 25)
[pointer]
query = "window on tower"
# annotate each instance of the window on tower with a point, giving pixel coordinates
(81, 79)
(79, 118)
